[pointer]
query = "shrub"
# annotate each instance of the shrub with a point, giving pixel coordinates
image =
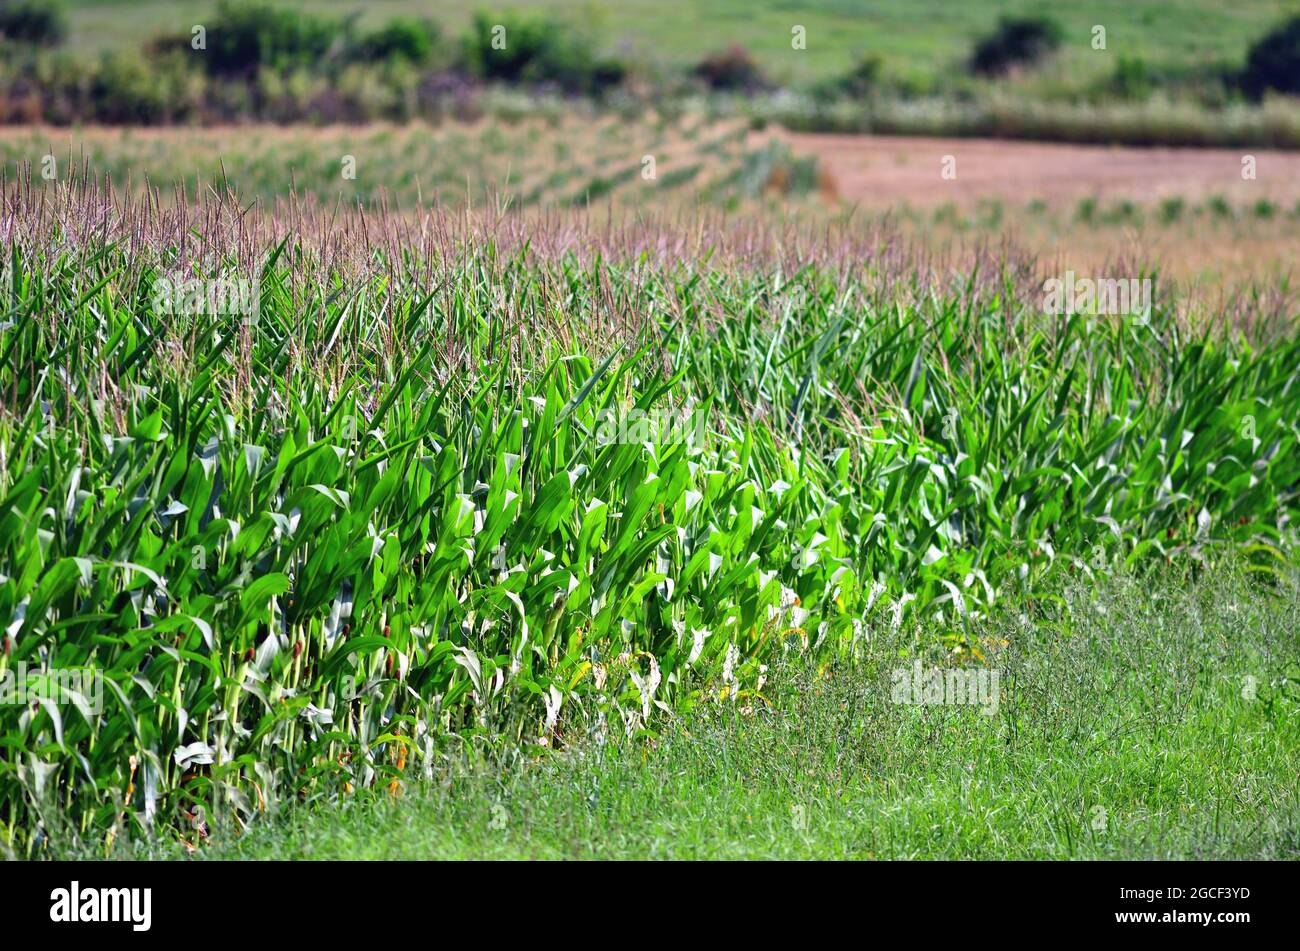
(166, 44)
(1131, 79)
(861, 80)
(1219, 207)
(731, 69)
(864, 76)
(247, 36)
(606, 73)
(39, 22)
(1171, 209)
(405, 38)
(1017, 41)
(1274, 61)
(126, 90)
(529, 48)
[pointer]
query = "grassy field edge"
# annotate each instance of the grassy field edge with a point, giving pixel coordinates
(1138, 720)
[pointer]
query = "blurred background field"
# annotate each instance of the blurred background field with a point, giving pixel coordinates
(1186, 212)
(557, 160)
(812, 111)
(1192, 73)
(919, 38)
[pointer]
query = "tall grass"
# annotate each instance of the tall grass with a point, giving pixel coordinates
(308, 551)
(1158, 121)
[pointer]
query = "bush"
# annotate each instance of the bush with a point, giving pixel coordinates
(731, 69)
(127, 90)
(864, 76)
(248, 36)
(1171, 209)
(1131, 79)
(39, 22)
(536, 49)
(1017, 41)
(861, 80)
(1274, 61)
(404, 38)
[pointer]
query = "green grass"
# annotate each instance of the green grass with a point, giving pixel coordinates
(1131, 727)
(922, 37)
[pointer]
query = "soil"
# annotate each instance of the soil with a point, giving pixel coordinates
(889, 170)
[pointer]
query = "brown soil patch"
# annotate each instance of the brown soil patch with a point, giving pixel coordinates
(882, 171)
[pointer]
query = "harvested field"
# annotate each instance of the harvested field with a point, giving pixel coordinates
(888, 170)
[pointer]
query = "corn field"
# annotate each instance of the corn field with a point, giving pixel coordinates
(309, 545)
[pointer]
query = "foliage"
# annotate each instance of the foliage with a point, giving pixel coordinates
(536, 48)
(402, 38)
(125, 90)
(733, 69)
(37, 22)
(277, 63)
(997, 113)
(249, 35)
(860, 81)
(1017, 41)
(1274, 61)
(1131, 79)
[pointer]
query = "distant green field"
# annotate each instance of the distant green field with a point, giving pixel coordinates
(547, 159)
(918, 37)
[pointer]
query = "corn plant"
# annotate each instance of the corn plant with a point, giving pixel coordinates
(303, 551)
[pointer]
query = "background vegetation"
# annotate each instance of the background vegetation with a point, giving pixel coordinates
(980, 65)
(921, 37)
